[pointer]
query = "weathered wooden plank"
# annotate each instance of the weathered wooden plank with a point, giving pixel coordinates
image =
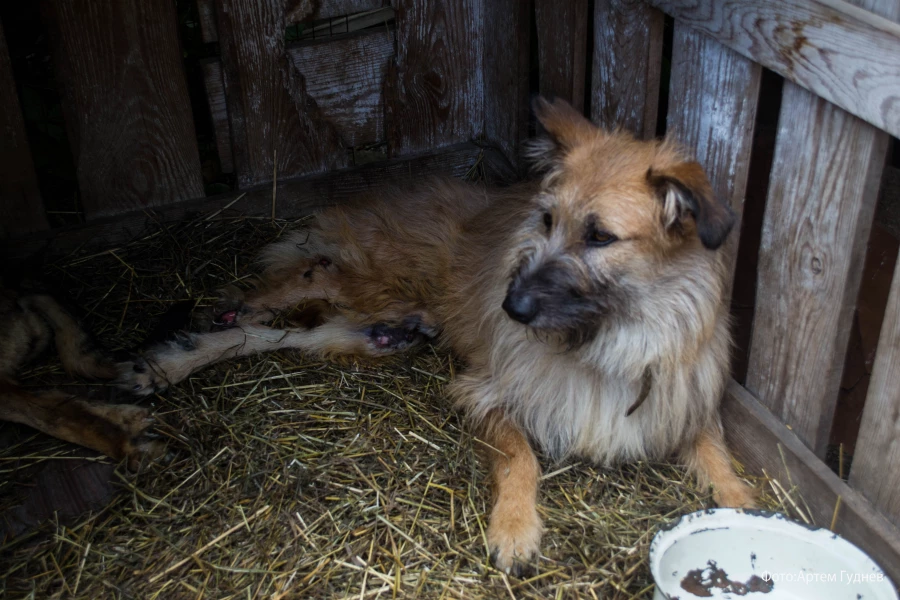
(273, 118)
(434, 94)
(761, 442)
(506, 88)
(218, 110)
(562, 49)
(628, 37)
(206, 10)
(876, 462)
(126, 104)
(345, 77)
(713, 96)
(21, 209)
(822, 193)
(842, 53)
(311, 10)
(295, 198)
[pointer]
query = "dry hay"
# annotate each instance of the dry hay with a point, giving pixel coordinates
(290, 478)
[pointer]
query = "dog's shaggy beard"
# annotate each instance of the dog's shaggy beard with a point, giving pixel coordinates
(573, 303)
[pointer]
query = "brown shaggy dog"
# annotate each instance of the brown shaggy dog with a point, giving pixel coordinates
(587, 308)
(30, 321)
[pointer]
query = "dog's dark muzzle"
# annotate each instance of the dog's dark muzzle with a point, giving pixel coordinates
(555, 298)
(521, 306)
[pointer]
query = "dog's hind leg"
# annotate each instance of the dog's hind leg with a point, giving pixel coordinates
(77, 350)
(116, 430)
(169, 363)
(708, 459)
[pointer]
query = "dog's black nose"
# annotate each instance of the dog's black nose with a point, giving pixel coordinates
(522, 307)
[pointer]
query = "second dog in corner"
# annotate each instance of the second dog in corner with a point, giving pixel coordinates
(587, 308)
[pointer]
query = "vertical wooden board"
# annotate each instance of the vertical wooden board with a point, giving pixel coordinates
(712, 109)
(21, 209)
(218, 110)
(818, 216)
(271, 113)
(876, 463)
(628, 39)
(562, 49)
(434, 93)
(346, 79)
(206, 10)
(506, 25)
(126, 104)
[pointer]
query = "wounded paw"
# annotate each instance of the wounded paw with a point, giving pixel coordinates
(514, 538)
(389, 338)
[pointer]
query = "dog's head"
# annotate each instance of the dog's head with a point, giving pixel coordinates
(611, 214)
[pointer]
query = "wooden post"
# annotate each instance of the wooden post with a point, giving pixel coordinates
(822, 193)
(712, 109)
(628, 38)
(562, 48)
(434, 92)
(876, 463)
(21, 209)
(506, 110)
(126, 104)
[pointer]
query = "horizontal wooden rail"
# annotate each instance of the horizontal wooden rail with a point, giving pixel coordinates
(295, 198)
(842, 53)
(762, 442)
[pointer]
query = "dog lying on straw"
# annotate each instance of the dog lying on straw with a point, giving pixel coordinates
(587, 307)
(30, 322)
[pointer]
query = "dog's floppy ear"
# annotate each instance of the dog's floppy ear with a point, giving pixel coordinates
(564, 127)
(685, 192)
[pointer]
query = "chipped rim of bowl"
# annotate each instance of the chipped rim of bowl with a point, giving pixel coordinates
(764, 520)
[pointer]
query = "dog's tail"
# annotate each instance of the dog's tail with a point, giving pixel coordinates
(77, 350)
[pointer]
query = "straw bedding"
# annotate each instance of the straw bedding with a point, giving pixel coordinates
(289, 478)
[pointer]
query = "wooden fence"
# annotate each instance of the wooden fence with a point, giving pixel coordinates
(444, 73)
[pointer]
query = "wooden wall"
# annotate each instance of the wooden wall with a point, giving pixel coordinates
(839, 104)
(419, 79)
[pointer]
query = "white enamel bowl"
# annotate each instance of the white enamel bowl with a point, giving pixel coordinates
(758, 555)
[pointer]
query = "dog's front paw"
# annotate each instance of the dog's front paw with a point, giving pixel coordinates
(735, 495)
(514, 537)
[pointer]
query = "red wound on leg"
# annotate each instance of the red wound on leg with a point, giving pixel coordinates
(227, 318)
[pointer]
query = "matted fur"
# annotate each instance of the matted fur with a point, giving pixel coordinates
(618, 350)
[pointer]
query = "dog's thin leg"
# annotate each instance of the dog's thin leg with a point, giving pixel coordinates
(709, 460)
(76, 349)
(514, 533)
(116, 430)
(169, 363)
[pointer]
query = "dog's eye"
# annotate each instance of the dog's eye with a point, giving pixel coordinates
(548, 220)
(598, 237)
